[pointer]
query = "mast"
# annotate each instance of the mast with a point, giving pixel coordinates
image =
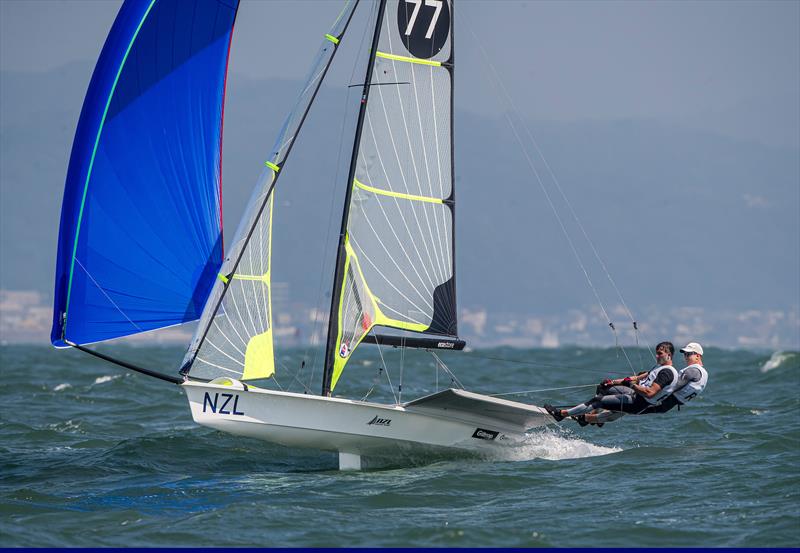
(340, 251)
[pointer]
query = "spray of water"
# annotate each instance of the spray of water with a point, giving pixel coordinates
(552, 444)
(777, 359)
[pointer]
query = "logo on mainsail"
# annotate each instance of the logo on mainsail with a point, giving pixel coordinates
(344, 351)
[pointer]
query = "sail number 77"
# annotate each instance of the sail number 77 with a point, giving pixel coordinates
(437, 5)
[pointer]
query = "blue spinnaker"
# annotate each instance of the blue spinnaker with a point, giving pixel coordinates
(140, 241)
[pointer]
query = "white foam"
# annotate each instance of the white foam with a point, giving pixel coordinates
(65, 426)
(775, 361)
(63, 386)
(554, 445)
(104, 379)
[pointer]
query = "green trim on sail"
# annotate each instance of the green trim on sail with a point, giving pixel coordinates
(380, 319)
(332, 38)
(91, 165)
(395, 57)
(261, 278)
(272, 166)
(413, 197)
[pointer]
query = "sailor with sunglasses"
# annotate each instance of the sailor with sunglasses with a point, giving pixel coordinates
(691, 382)
(633, 394)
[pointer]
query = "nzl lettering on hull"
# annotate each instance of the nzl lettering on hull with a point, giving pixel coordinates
(223, 404)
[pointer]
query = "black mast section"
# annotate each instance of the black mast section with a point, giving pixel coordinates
(333, 323)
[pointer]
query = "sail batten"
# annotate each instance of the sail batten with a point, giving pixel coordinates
(396, 254)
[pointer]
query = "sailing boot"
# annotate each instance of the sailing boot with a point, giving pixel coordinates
(555, 413)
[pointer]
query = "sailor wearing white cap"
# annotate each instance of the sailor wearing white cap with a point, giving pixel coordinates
(692, 379)
(690, 382)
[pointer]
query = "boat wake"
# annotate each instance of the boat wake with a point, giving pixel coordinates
(553, 445)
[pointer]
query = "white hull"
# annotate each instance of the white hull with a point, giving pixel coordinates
(450, 420)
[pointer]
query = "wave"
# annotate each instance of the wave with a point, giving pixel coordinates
(104, 379)
(780, 359)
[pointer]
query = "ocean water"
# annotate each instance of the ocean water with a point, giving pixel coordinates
(94, 456)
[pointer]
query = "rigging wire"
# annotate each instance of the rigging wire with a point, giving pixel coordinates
(498, 82)
(333, 198)
(447, 369)
(543, 390)
(436, 374)
(296, 376)
(536, 364)
(383, 368)
(577, 221)
(402, 364)
(389, 379)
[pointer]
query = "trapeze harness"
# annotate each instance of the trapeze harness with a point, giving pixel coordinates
(666, 390)
(693, 388)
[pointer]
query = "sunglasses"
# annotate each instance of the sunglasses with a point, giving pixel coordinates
(689, 353)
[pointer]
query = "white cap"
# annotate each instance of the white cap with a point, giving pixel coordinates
(692, 347)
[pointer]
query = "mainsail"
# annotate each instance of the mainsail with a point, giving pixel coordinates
(234, 337)
(395, 262)
(140, 240)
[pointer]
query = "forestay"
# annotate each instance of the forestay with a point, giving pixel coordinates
(234, 337)
(396, 258)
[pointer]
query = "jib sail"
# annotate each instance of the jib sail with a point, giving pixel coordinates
(234, 337)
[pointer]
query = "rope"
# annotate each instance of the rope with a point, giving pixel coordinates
(532, 166)
(331, 210)
(385, 369)
(535, 364)
(447, 370)
(402, 364)
(296, 376)
(544, 390)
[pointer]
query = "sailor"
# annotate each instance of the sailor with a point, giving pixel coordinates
(692, 380)
(632, 394)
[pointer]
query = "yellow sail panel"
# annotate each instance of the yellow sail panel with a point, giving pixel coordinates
(259, 358)
(356, 313)
(359, 311)
(239, 341)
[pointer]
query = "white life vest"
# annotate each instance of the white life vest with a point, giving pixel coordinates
(666, 390)
(692, 389)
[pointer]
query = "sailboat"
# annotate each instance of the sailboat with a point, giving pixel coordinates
(140, 244)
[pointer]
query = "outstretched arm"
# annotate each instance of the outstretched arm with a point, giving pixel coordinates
(627, 379)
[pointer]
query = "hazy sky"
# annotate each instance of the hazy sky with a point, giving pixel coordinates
(615, 91)
(729, 67)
